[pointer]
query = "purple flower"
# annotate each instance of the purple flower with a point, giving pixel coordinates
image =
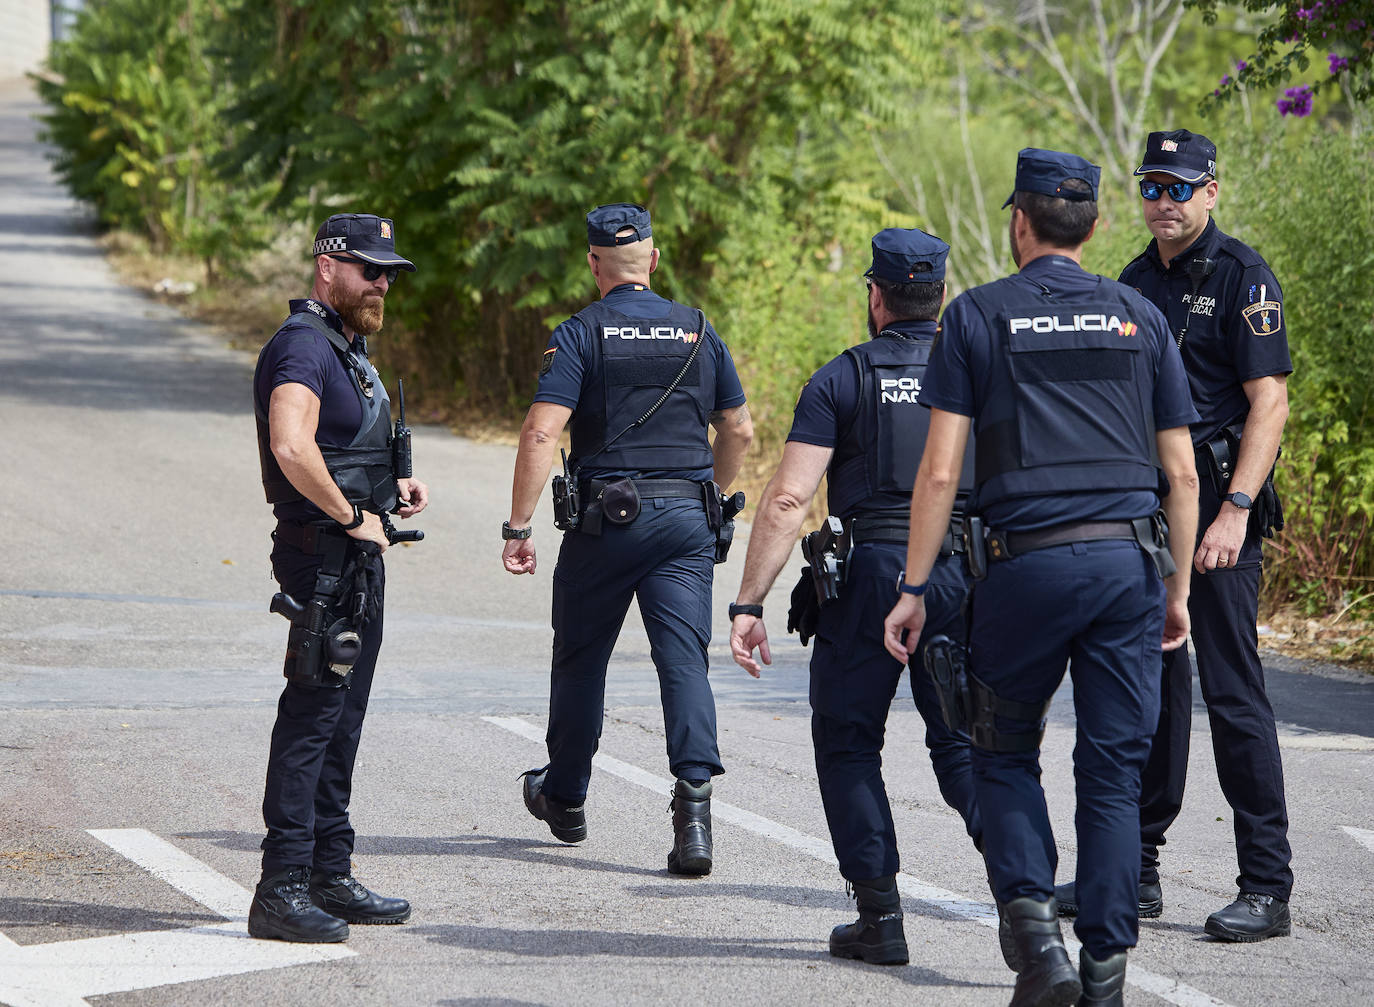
(1354, 26)
(1216, 94)
(1338, 63)
(1298, 102)
(1225, 79)
(1241, 65)
(1304, 13)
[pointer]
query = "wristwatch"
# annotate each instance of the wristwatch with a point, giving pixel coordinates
(755, 610)
(1239, 500)
(508, 533)
(357, 519)
(915, 589)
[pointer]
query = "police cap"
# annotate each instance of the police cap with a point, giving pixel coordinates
(363, 236)
(605, 221)
(902, 255)
(1189, 157)
(1046, 171)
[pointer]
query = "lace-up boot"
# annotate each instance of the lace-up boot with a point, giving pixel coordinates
(282, 911)
(342, 895)
(877, 936)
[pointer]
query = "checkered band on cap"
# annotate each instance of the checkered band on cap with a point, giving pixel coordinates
(327, 245)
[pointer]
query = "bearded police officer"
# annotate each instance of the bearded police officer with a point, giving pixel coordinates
(332, 471)
(858, 423)
(1076, 392)
(642, 378)
(1225, 311)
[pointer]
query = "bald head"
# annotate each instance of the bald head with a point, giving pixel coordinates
(613, 265)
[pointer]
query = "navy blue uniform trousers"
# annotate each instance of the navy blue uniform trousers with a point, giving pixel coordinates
(1099, 608)
(666, 558)
(314, 745)
(1223, 607)
(853, 681)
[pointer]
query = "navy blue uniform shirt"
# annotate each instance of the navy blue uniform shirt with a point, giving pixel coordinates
(562, 380)
(959, 380)
(1236, 329)
(298, 354)
(829, 401)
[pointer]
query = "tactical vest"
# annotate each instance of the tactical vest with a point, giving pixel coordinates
(639, 358)
(1070, 406)
(363, 469)
(876, 458)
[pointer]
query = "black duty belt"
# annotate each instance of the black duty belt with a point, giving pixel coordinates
(1004, 545)
(649, 489)
(897, 530)
(308, 538)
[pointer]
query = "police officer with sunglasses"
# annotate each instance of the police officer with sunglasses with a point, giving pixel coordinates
(331, 473)
(1225, 310)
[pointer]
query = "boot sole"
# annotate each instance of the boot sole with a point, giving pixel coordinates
(880, 954)
(1223, 933)
(1144, 910)
(273, 934)
(369, 920)
(690, 866)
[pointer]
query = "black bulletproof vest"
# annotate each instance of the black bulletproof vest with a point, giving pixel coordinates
(875, 460)
(1070, 406)
(362, 470)
(638, 358)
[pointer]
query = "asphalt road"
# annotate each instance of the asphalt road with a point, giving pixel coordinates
(139, 668)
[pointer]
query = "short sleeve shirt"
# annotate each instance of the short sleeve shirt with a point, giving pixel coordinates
(570, 352)
(961, 377)
(1235, 321)
(298, 354)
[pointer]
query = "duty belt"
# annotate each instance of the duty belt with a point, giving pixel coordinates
(1004, 545)
(308, 538)
(649, 489)
(897, 530)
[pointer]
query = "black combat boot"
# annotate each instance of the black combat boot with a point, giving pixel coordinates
(567, 824)
(1151, 903)
(1047, 979)
(876, 936)
(341, 894)
(1252, 917)
(691, 808)
(282, 911)
(1103, 981)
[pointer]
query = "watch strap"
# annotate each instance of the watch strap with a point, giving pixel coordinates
(755, 610)
(357, 519)
(508, 533)
(913, 589)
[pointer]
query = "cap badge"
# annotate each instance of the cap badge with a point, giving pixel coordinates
(386, 229)
(1169, 145)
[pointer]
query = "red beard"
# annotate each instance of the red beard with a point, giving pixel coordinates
(361, 311)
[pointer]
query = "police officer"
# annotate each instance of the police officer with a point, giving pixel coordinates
(1225, 310)
(857, 422)
(325, 443)
(642, 379)
(1077, 394)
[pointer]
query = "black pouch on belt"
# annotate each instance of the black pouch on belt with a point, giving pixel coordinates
(620, 501)
(1152, 535)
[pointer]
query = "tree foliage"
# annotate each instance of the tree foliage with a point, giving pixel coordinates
(1337, 34)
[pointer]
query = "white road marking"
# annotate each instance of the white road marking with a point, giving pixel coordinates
(1322, 741)
(1362, 836)
(984, 913)
(64, 973)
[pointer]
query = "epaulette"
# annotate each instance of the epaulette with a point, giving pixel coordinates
(1241, 252)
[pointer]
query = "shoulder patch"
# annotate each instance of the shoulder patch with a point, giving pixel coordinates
(546, 362)
(1263, 317)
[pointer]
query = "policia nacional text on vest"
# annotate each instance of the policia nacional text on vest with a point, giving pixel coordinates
(644, 364)
(872, 472)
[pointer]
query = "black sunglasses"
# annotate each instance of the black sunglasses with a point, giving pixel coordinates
(1179, 192)
(371, 270)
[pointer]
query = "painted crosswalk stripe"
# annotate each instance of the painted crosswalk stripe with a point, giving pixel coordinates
(1362, 836)
(1172, 990)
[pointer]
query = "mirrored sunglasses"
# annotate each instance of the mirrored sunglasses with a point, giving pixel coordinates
(371, 270)
(1179, 192)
